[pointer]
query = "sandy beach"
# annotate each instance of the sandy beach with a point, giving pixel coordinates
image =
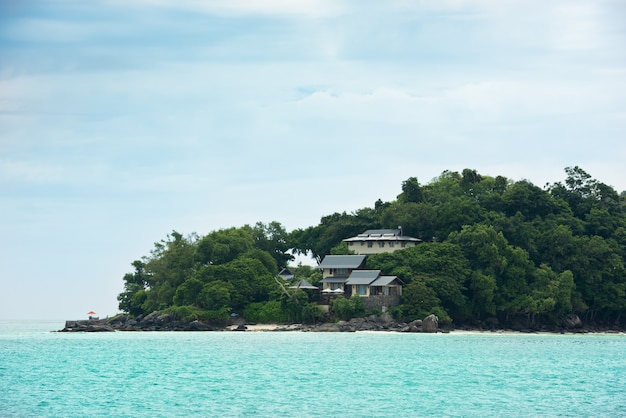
(301, 327)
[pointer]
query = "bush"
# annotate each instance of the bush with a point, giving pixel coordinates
(311, 313)
(397, 312)
(347, 309)
(182, 313)
(265, 312)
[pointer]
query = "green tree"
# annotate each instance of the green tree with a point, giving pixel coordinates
(188, 292)
(419, 300)
(224, 245)
(215, 296)
(411, 191)
(274, 240)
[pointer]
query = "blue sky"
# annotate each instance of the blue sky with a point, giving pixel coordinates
(121, 121)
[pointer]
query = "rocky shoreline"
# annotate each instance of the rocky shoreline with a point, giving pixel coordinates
(165, 322)
(157, 321)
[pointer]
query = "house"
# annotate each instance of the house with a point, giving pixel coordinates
(337, 268)
(345, 275)
(286, 275)
(368, 283)
(376, 241)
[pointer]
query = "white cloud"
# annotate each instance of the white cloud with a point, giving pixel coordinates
(305, 8)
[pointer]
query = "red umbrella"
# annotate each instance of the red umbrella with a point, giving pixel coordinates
(91, 313)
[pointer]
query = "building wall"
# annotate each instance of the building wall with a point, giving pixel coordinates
(336, 273)
(381, 303)
(363, 247)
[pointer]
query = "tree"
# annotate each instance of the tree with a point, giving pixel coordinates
(215, 296)
(188, 292)
(224, 245)
(273, 239)
(134, 283)
(411, 191)
(417, 219)
(419, 300)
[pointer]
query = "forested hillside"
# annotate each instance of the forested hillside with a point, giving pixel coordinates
(494, 249)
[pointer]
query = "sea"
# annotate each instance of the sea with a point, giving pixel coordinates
(308, 374)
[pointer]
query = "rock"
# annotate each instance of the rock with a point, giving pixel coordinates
(241, 328)
(87, 326)
(150, 318)
(417, 323)
(119, 319)
(572, 321)
(430, 324)
(99, 328)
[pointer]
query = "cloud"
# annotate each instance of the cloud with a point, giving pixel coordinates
(303, 8)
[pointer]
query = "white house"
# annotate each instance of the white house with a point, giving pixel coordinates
(376, 241)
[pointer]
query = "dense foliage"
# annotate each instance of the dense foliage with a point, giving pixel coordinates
(493, 249)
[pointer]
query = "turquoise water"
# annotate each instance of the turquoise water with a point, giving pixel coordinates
(46, 374)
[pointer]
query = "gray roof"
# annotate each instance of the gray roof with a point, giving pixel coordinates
(384, 280)
(342, 261)
(303, 284)
(382, 235)
(383, 232)
(286, 274)
(363, 276)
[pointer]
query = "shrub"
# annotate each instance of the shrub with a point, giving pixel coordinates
(311, 313)
(347, 309)
(265, 312)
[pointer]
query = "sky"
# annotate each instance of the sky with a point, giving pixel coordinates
(123, 120)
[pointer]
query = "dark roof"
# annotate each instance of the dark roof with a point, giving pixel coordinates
(303, 284)
(384, 280)
(342, 261)
(285, 272)
(382, 235)
(363, 276)
(383, 232)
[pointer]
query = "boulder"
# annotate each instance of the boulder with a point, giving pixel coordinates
(430, 324)
(99, 328)
(572, 321)
(414, 326)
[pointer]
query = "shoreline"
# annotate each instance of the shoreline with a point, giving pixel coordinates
(310, 328)
(165, 322)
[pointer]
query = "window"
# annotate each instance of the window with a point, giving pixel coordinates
(391, 244)
(403, 244)
(361, 289)
(335, 286)
(381, 244)
(370, 243)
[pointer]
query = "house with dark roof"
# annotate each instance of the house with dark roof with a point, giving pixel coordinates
(337, 268)
(286, 275)
(376, 241)
(346, 275)
(368, 283)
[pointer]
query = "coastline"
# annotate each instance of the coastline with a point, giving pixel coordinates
(308, 328)
(165, 322)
